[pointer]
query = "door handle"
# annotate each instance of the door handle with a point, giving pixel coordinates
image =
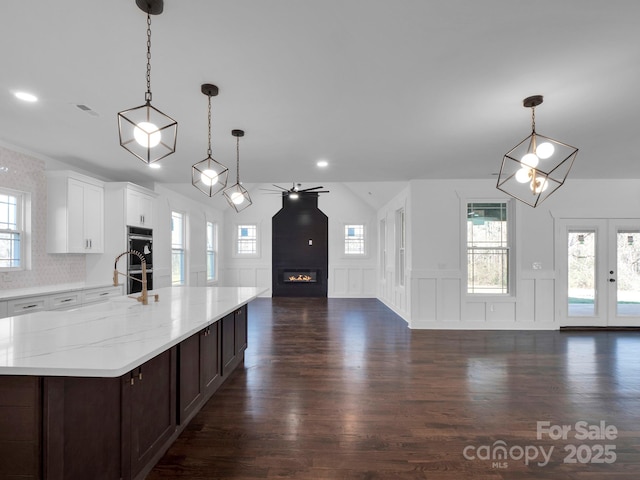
(612, 280)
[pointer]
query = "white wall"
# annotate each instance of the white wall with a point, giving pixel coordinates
(26, 173)
(436, 212)
(395, 296)
(100, 267)
(197, 215)
(348, 277)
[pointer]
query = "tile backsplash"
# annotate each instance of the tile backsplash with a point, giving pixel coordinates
(27, 174)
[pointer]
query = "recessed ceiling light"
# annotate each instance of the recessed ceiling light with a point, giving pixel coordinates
(322, 163)
(27, 97)
(155, 166)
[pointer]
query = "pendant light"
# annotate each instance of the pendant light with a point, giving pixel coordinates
(208, 175)
(237, 196)
(145, 131)
(537, 166)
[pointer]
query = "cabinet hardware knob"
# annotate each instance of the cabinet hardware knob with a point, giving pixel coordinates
(133, 380)
(140, 376)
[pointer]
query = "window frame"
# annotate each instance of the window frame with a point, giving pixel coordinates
(364, 241)
(400, 226)
(211, 248)
(22, 216)
(383, 248)
(182, 251)
(236, 241)
(509, 248)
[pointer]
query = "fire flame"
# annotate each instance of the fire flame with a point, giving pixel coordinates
(300, 278)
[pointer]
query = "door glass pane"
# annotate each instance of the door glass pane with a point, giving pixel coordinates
(581, 274)
(628, 276)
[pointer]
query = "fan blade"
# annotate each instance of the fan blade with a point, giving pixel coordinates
(281, 188)
(309, 189)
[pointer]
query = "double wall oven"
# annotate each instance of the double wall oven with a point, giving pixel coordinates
(140, 240)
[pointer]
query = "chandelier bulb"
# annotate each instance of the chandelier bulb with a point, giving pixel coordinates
(237, 198)
(530, 160)
(539, 185)
(545, 150)
(523, 175)
(209, 177)
(147, 134)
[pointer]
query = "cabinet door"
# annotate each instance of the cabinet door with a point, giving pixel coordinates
(139, 209)
(241, 329)
(75, 217)
(190, 391)
(198, 371)
(85, 217)
(152, 408)
(81, 422)
(146, 210)
(93, 219)
(228, 343)
(20, 427)
(210, 358)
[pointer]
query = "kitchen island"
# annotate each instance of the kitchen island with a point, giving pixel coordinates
(102, 391)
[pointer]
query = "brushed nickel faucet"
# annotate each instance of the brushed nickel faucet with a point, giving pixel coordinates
(143, 298)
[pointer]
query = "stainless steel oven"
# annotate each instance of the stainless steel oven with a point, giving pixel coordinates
(140, 240)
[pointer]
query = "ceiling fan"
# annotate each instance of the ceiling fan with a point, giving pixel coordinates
(295, 191)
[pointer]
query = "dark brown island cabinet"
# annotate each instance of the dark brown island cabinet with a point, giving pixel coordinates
(85, 428)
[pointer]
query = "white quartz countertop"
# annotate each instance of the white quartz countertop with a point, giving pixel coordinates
(10, 294)
(111, 338)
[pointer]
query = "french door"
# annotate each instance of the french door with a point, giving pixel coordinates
(599, 272)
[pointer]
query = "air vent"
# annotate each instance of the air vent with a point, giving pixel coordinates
(87, 109)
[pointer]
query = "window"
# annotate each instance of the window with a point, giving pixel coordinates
(383, 248)
(488, 248)
(354, 240)
(212, 251)
(12, 235)
(400, 247)
(177, 248)
(247, 240)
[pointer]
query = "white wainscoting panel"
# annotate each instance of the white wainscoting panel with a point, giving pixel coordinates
(352, 282)
(438, 303)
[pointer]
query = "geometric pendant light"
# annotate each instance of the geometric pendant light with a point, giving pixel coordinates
(145, 131)
(208, 175)
(537, 166)
(237, 196)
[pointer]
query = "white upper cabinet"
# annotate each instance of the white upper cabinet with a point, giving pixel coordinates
(139, 207)
(75, 213)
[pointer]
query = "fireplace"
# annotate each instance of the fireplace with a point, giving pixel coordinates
(300, 276)
(300, 248)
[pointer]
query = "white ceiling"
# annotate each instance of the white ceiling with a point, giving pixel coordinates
(382, 89)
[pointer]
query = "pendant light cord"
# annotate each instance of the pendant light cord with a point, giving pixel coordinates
(533, 119)
(148, 94)
(238, 160)
(209, 119)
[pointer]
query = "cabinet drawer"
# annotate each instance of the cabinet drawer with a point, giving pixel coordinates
(100, 294)
(3, 309)
(20, 306)
(61, 301)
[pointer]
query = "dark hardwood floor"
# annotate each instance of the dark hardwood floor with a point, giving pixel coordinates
(342, 389)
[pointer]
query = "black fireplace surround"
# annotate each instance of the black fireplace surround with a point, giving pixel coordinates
(300, 248)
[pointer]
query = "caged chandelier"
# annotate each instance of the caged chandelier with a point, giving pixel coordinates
(237, 196)
(208, 175)
(537, 166)
(145, 131)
